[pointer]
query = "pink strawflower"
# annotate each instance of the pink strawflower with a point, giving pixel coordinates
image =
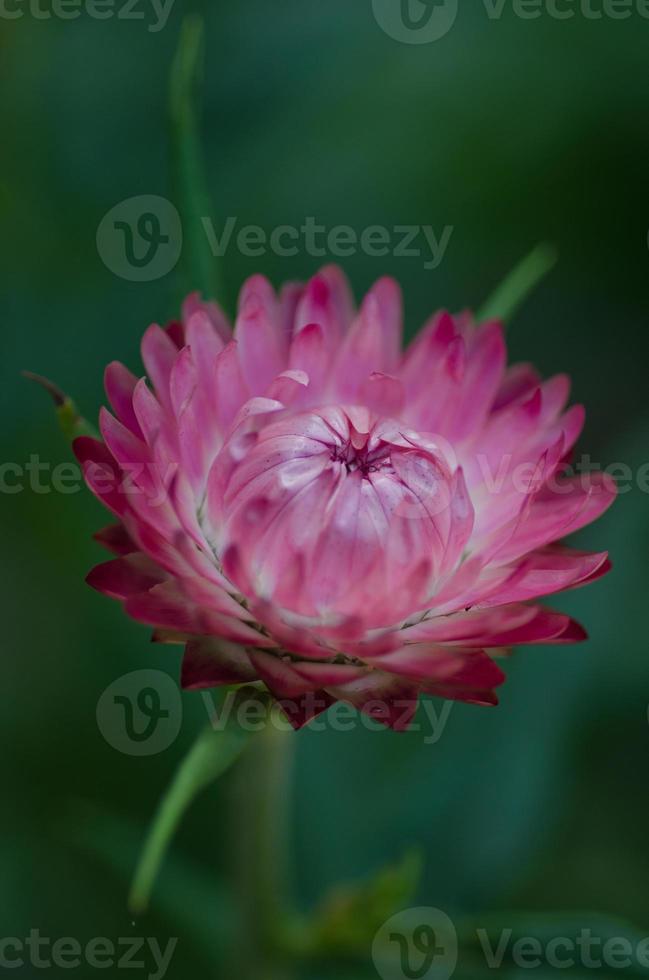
(301, 503)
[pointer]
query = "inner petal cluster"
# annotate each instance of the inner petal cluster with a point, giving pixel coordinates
(331, 512)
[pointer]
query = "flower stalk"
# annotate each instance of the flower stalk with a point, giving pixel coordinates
(261, 866)
(211, 755)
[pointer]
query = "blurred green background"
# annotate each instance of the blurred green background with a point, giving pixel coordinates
(513, 132)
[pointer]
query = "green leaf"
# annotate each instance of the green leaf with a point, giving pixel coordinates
(193, 198)
(521, 281)
(72, 423)
(210, 756)
(351, 914)
(195, 899)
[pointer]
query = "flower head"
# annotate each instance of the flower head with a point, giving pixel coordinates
(301, 503)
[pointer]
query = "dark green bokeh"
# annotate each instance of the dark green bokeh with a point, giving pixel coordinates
(513, 132)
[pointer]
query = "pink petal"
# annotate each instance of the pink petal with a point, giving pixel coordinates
(546, 571)
(165, 606)
(519, 381)
(101, 473)
(209, 662)
(309, 353)
(193, 305)
(125, 576)
(115, 538)
(383, 697)
(262, 352)
(326, 301)
(499, 626)
(120, 384)
(299, 699)
(372, 343)
(159, 354)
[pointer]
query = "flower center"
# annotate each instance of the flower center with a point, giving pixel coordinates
(364, 460)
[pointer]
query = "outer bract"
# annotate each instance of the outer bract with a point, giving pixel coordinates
(301, 503)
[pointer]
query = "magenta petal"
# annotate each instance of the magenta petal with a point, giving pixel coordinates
(299, 698)
(383, 394)
(498, 626)
(328, 675)
(519, 381)
(115, 538)
(262, 352)
(309, 353)
(481, 380)
(390, 700)
(431, 666)
(167, 607)
(208, 662)
(193, 305)
(126, 576)
(372, 343)
(130, 452)
(477, 672)
(300, 711)
(327, 302)
(101, 473)
(159, 354)
(547, 571)
(279, 676)
(175, 330)
(120, 384)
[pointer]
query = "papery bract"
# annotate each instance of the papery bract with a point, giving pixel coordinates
(301, 503)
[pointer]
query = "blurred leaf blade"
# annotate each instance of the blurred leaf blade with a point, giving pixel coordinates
(211, 755)
(193, 198)
(510, 295)
(192, 889)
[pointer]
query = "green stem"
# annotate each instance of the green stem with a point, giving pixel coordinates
(261, 818)
(211, 754)
(521, 281)
(191, 187)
